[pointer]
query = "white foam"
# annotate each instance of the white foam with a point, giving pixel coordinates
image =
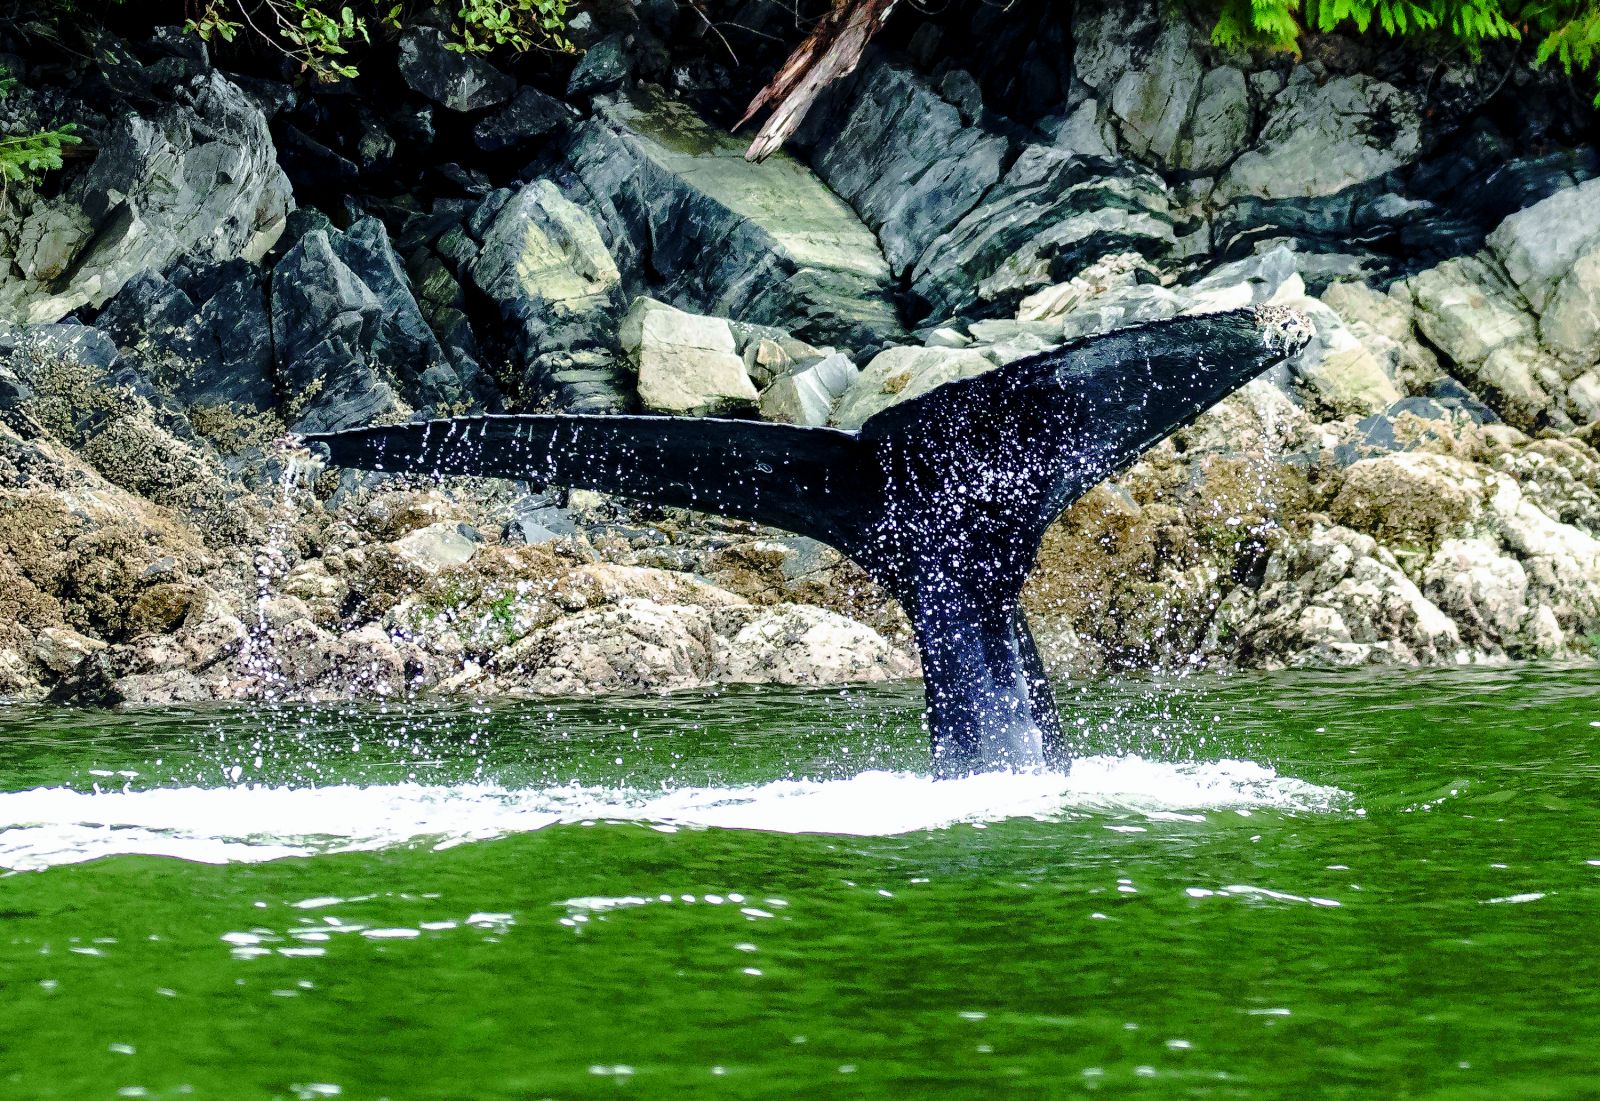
(50, 826)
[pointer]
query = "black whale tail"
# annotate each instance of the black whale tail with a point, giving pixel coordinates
(943, 499)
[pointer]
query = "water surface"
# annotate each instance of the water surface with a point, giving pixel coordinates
(1247, 887)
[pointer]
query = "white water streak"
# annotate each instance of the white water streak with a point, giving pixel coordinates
(50, 826)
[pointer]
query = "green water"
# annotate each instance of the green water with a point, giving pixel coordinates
(1253, 887)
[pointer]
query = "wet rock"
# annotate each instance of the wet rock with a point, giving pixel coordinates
(690, 220)
(544, 264)
(1484, 591)
(1336, 598)
(436, 547)
(197, 177)
(60, 649)
(458, 81)
(634, 646)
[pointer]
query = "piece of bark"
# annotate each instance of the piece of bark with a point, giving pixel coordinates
(830, 51)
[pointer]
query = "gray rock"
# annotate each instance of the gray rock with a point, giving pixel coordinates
(201, 336)
(1050, 217)
(436, 547)
(807, 395)
(532, 115)
(687, 364)
(1323, 138)
(350, 341)
(900, 374)
(605, 67)
(689, 219)
(905, 159)
(196, 178)
(545, 266)
(458, 81)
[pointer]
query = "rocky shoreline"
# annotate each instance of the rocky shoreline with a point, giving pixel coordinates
(244, 257)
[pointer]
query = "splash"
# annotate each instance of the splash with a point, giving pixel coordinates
(45, 827)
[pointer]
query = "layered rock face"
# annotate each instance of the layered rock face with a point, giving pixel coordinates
(1419, 485)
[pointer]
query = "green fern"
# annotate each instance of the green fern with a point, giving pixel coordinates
(1567, 31)
(25, 158)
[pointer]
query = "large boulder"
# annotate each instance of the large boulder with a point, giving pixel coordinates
(1050, 217)
(807, 394)
(689, 220)
(800, 644)
(201, 335)
(196, 178)
(688, 365)
(905, 159)
(1335, 598)
(544, 264)
(1321, 138)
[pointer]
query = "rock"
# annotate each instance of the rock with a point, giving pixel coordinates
(1049, 218)
(1484, 591)
(1084, 132)
(1562, 560)
(1322, 138)
(900, 374)
(679, 205)
(532, 115)
(1551, 251)
(544, 264)
(904, 158)
(635, 645)
(197, 179)
(1465, 309)
(1149, 74)
(61, 649)
(1410, 498)
(1336, 598)
(605, 67)
(807, 395)
(201, 336)
(458, 81)
(1385, 326)
(1114, 272)
(436, 547)
(1337, 370)
(687, 364)
(49, 239)
(798, 644)
(350, 341)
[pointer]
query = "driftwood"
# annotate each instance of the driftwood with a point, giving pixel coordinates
(829, 52)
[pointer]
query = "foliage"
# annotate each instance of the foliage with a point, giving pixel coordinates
(24, 158)
(1566, 30)
(320, 35)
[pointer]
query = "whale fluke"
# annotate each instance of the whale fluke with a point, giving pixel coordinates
(943, 499)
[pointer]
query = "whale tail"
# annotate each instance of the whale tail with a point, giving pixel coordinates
(943, 499)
